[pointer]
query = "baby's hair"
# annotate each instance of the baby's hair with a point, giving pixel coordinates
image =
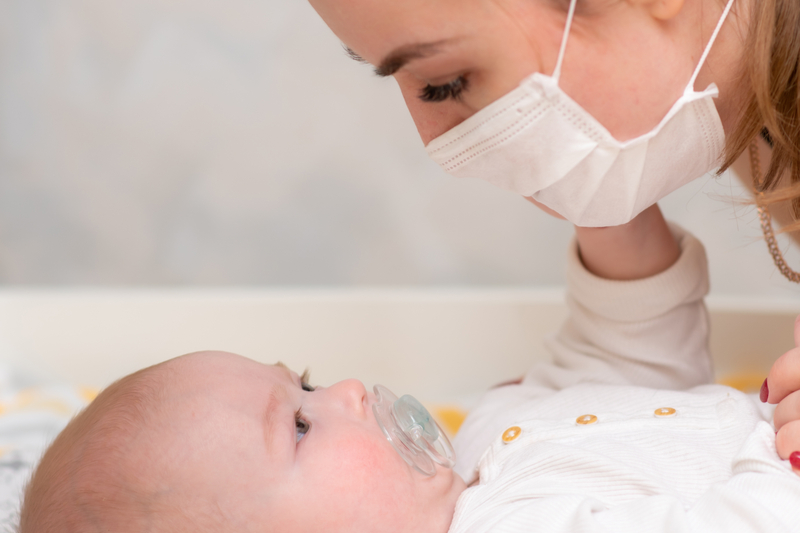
(83, 482)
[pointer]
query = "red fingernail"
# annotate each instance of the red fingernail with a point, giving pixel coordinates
(795, 460)
(764, 392)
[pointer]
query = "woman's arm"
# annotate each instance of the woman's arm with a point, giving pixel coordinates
(639, 249)
(651, 331)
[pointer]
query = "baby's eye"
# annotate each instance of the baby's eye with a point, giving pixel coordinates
(301, 425)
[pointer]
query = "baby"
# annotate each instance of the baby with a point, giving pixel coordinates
(622, 431)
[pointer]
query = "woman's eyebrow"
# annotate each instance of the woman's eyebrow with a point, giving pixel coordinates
(401, 56)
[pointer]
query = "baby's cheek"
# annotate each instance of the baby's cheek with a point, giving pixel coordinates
(368, 455)
(373, 465)
(359, 479)
(379, 476)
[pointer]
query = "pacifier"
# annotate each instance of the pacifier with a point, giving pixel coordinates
(412, 431)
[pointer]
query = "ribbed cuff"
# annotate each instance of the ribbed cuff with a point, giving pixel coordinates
(642, 299)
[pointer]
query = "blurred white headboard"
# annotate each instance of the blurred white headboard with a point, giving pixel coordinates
(438, 344)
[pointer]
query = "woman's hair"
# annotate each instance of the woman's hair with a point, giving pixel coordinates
(771, 65)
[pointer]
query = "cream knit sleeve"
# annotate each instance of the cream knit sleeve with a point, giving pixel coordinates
(651, 332)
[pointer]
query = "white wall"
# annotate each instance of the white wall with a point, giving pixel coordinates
(438, 344)
(211, 142)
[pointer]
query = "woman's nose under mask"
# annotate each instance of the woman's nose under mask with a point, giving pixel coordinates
(412, 431)
(538, 142)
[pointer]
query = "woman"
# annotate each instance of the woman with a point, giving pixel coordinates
(594, 109)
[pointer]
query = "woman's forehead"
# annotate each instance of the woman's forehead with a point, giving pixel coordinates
(374, 28)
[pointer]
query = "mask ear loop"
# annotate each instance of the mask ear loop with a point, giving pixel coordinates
(690, 88)
(563, 49)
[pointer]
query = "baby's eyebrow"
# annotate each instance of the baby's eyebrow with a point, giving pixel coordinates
(277, 395)
(285, 369)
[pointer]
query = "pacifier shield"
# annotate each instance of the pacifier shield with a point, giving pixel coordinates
(412, 431)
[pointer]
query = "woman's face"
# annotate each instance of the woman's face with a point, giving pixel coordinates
(627, 61)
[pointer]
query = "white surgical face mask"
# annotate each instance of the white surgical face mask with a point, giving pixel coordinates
(538, 142)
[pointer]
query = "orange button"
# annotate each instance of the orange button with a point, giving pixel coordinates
(586, 419)
(511, 434)
(663, 412)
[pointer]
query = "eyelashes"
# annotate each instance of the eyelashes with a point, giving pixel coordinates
(301, 425)
(448, 91)
(305, 377)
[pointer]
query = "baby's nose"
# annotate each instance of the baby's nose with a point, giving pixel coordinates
(352, 394)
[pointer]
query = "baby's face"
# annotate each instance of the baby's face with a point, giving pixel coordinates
(276, 457)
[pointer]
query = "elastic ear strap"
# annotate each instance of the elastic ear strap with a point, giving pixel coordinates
(567, 26)
(727, 10)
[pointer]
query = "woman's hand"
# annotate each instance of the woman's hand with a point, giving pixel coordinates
(782, 387)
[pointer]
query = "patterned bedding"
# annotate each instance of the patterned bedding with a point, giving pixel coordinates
(30, 417)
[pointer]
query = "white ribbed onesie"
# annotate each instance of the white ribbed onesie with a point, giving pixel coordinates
(660, 449)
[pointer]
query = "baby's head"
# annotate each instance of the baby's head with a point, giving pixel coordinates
(216, 442)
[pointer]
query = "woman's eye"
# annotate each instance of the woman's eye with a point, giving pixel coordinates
(440, 93)
(301, 425)
(306, 387)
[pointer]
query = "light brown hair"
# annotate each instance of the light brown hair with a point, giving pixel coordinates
(771, 70)
(70, 477)
(83, 482)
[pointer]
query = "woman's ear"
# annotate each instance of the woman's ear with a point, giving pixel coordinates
(660, 9)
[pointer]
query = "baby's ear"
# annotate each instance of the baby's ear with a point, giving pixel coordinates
(797, 331)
